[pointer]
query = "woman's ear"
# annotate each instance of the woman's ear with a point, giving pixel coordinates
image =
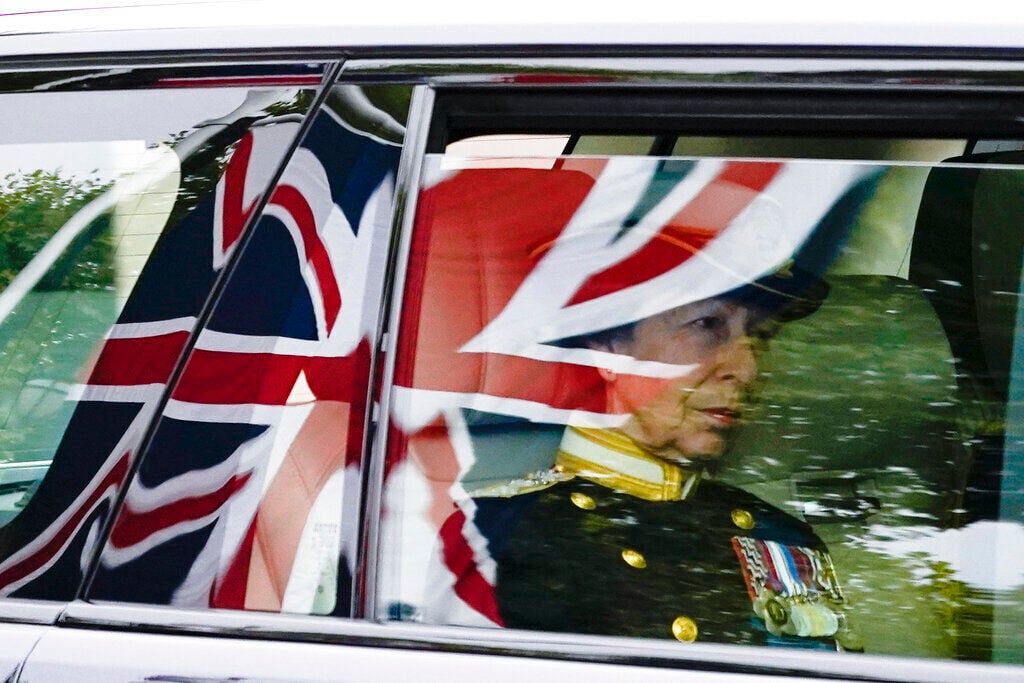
(608, 375)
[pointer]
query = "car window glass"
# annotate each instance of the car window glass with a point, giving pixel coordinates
(96, 189)
(247, 496)
(713, 397)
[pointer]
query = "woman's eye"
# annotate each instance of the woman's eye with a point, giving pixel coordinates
(710, 323)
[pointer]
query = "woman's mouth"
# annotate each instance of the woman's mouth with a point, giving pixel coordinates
(721, 416)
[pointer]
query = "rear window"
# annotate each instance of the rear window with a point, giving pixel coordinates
(103, 274)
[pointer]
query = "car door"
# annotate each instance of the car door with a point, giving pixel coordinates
(533, 416)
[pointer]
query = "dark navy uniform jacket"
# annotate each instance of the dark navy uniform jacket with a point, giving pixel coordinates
(581, 558)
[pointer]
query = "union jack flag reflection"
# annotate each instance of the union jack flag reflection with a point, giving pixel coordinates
(508, 266)
(268, 412)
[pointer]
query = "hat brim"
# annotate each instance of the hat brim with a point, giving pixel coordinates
(785, 296)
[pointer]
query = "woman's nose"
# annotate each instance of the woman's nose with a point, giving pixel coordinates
(738, 361)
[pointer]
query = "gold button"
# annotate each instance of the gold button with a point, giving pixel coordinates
(582, 501)
(684, 629)
(743, 519)
(634, 559)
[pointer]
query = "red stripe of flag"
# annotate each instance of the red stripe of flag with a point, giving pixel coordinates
(291, 200)
(138, 360)
(229, 592)
(226, 378)
(133, 527)
(470, 585)
(235, 216)
(686, 233)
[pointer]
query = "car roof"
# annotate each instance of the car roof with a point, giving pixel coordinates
(98, 27)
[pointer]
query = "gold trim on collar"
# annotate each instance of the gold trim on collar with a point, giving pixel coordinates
(611, 459)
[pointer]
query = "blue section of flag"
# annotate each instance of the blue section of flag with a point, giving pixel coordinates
(356, 164)
(184, 446)
(155, 576)
(179, 273)
(62, 579)
(89, 440)
(267, 295)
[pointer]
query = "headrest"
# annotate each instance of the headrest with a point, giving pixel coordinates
(863, 389)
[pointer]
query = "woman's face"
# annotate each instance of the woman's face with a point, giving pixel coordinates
(688, 417)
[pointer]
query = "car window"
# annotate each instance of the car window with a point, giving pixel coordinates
(247, 496)
(104, 176)
(718, 389)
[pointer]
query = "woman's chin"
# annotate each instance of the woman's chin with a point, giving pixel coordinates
(696, 449)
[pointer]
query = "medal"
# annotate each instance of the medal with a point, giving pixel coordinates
(792, 588)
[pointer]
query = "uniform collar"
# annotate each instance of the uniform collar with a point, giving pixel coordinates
(610, 458)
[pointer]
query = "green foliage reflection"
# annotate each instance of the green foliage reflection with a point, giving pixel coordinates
(33, 207)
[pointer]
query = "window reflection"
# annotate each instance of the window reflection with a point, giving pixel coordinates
(92, 184)
(860, 436)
